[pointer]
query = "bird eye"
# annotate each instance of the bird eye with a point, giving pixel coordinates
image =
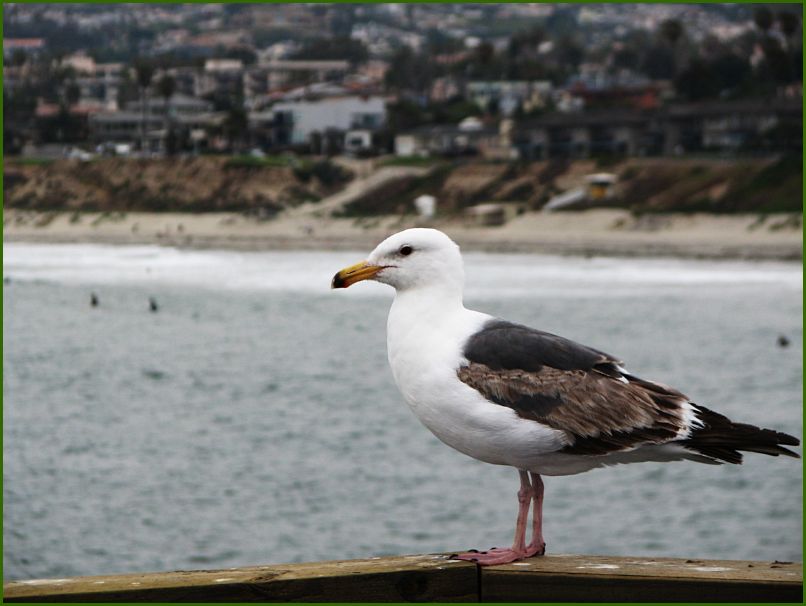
(406, 250)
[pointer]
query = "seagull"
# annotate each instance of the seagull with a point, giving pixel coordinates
(507, 394)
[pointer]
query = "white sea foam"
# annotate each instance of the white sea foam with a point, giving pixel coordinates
(488, 275)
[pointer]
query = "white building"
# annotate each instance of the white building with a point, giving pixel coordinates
(305, 119)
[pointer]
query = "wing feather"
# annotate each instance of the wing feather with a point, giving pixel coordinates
(601, 408)
(572, 388)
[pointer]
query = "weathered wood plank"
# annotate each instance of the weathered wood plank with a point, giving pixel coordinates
(559, 578)
(427, 578)
(553, 578)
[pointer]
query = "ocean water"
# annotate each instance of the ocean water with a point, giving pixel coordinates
(254, 420)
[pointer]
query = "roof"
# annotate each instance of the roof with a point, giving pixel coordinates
(47, 110)
(583, 119)
(129, 116)
(293, 64)
(23, 43)
(450, 129)
(623, 117)
(177, 100)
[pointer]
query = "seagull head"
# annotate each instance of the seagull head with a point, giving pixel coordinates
(410, 259)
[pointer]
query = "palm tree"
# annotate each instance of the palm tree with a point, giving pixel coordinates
(145, 72)
(763, 18)
(672, 30)
(236, 126)
(72, 94)
(789, 23)
(166, 87)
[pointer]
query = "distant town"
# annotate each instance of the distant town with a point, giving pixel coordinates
(498, 81)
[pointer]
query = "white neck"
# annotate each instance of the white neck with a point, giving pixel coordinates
(419, 316)
(426, 303)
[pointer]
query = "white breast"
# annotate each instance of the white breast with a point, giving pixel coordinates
(425, 342)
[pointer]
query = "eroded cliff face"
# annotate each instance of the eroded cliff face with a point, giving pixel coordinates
(708, 185)
(210, 184)
(187, 184)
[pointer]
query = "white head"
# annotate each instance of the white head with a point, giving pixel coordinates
(411, 259)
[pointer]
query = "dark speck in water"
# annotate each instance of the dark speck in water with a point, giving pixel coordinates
(156, 375)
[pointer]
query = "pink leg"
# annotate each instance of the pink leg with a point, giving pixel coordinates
(538, 544)
(518, 551)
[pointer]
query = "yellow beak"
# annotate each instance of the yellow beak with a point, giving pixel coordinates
(355, 273)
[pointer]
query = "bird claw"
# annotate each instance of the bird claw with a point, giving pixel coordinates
(492, 557)
(536, 550)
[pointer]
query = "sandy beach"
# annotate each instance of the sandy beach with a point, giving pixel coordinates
(592, 232)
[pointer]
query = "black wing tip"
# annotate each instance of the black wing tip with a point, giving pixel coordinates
(788, 453)
(722, 439)
(785, 438)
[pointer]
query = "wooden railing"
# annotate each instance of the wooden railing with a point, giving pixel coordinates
(552, 578)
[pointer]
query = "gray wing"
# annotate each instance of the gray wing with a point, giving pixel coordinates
(570, 387)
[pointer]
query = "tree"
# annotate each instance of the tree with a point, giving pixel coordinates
(439, 42)
(671, 30)
(697, 82)
(344, 48)
(731, 71)
(166, 87)
(72, 94)
(341, 20)
(778, 64)
(18, 58)
(144, 71)
(569, 52)
(789, 23)
(404, 115)
(408, 72)
(236, 126)
(763, 19)
(484, 63)
(485, 53)
(627, 58)
(658, 63)
(562, 21)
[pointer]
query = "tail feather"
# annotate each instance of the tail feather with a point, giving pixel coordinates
(721, 439)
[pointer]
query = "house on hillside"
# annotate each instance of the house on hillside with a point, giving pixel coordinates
(585, 134)
(194, 117)
(30, 47)
(723, 126)
(277, 73)
(469, 137)
(220, 76)
(749, 126)
(329, 125)
(508, 95)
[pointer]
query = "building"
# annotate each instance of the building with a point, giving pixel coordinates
(29, 47)
(220, 76)
(724, 126)
(585, 134)
(177, 105)
(469, 137)
(736, 126)
(195, 117)
(278, 73)
(306, 122)
(508, 95)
